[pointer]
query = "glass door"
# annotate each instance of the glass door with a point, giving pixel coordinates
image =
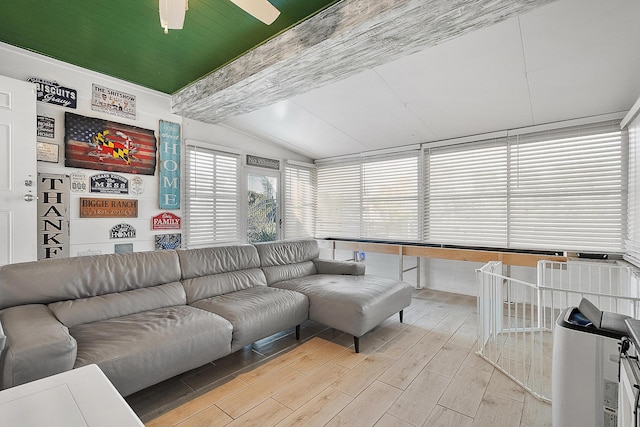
(263, 219)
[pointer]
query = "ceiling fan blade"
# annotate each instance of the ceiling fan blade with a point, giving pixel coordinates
(259, 9)
(172, 13)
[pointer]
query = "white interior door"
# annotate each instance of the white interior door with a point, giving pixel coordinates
(18, 170)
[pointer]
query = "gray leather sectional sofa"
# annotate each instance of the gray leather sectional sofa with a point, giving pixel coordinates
(147, 316)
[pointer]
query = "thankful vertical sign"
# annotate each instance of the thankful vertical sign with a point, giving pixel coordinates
(169, 165)
(53, 216)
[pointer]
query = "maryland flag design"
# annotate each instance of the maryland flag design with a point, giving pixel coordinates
(119, 147)
(105, 145)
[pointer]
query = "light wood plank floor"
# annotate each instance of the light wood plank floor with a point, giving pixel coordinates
(423, 372)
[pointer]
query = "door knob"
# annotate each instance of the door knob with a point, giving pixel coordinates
(29, 197)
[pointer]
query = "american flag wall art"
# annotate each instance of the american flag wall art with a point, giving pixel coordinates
(99, 144)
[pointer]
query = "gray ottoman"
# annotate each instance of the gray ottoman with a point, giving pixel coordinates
(352, 304)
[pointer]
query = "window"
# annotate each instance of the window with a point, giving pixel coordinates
(563, 189)
(567, 189)
(370, 198)
(632, 244)
(299, 200)
(339, 201)
(466, 194)
(263, 205)
(212, 199)
(390, 199)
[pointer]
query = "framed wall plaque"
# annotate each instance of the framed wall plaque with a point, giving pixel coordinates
(48, 152)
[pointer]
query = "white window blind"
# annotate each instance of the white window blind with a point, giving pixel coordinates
(632, 244)
(390, 198)
(372, 198)
(466, 194)
(339, 201)
(212, 199)
(567, 189)
(300, 201)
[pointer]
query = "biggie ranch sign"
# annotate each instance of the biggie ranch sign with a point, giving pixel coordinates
(165, 221)
(108, 208)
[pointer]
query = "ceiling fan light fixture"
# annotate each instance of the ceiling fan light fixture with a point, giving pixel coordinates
(172, 14)
(259, 9)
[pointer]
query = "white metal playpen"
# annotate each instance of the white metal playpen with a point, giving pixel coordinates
(517, 318)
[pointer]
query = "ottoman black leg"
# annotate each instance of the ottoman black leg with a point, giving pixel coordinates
(401, 314)
(356, 343)
(297, 332)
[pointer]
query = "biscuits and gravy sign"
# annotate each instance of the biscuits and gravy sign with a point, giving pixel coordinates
(91, 207)
(52, 93)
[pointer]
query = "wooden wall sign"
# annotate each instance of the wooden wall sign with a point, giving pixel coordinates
(122, 231)
(263, 162)
(98, 144)
(109, 183)
(169, 165)
(108, 208)
(46, 127)
(165, 221)
(53, 216)
(51, 92)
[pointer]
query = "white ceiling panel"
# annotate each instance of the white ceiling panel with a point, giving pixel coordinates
(365, 108)
(473, 84)
(288, 124)
(583, 57)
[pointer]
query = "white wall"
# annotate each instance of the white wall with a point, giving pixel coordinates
(93, 234)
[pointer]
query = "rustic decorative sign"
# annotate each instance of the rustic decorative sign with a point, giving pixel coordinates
(165, 221)
(109, 146)
(109, 183)
(169, 165)
(122, 231)
(136, 186)
(168, 241)
(47, 152)
(263, 162)
(108, 208)
(52, 93)
(90, 252)
(46, 127)
(113, 101)
(123, 248)
(53, 216)
(79, 182)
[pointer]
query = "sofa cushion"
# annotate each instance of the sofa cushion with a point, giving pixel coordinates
(223, 283)
(102, 307)
(60, 279)
(352, 304)
(209, 272)
(287, 259)
(216, 260)
(258, 312)
(142, 349)
(329, 266)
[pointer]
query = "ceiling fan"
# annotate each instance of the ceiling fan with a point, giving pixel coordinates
(172, 12)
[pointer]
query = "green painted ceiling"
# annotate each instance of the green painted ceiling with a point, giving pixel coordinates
(123, 38)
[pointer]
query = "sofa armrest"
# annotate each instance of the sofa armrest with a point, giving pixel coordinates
(37, 345)
(327, 266)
